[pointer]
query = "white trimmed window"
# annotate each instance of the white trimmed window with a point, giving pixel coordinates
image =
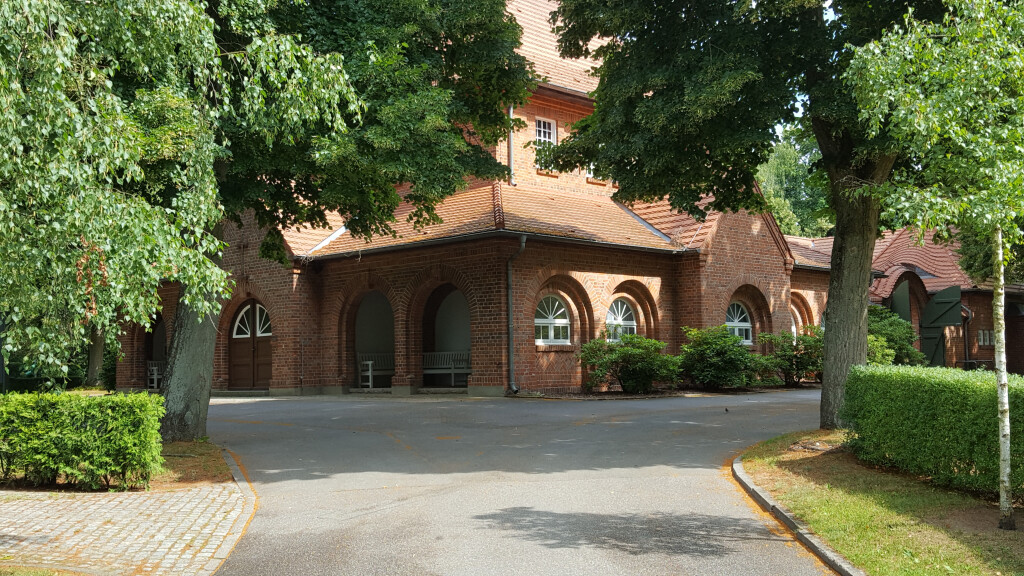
(242, 327)
(798, 322)
(551, 321)
(546, 134)
(737, 320)
(986, 338)
(620, 320)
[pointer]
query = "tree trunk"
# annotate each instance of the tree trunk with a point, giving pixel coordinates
(189, 375)
(846, 313)
(1006, 521)
(96, 345)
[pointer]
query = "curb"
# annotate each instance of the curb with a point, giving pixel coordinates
(239, 527)
(803, 533)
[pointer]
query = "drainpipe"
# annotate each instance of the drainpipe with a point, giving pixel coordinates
(511, 167)
(511, 330)
(967, 335)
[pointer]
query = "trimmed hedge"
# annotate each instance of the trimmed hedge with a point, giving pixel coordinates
(87, 441)
(937, 422)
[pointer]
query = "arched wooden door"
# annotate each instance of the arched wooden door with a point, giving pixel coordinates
(250, 356)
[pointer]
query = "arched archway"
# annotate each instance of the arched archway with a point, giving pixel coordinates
(447, 338)
(374, 329)
(250, 353)
(758, 312)
(800, 312)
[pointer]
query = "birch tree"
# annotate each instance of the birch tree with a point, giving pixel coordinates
(952, 94)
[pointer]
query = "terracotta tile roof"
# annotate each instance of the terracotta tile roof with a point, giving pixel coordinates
(682, 229)
(301, 241)
(810, 251)
(577, 215)
(540, 47)
(936, 264)
(466, 212)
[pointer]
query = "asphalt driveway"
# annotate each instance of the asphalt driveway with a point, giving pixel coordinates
(422, 486)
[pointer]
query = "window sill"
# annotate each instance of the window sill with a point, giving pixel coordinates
(548, 173)
(592, 180)
(556, 348)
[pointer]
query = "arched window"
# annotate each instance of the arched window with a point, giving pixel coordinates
(737, 320)
(551, 321)
(798, 322)
(242, 328)
(620, 320)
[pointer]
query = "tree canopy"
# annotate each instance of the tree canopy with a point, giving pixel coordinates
(689, 95)
(112, 117)
(952, 94)
(795, 193)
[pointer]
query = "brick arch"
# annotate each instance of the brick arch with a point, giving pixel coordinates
(344, 308)
(419, 291)
(801, 305)
(243, 292)
(639, 296)
(578, 299)
(757, 305)
(918, 298)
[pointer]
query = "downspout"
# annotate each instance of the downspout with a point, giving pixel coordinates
(511, 166)
(967, 335)
(511, 330)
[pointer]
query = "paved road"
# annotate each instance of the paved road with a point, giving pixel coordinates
(426, 486)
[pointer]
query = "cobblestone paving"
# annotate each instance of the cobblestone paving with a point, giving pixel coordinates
(179, 532)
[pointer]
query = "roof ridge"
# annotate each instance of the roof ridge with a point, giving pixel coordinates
(498, 205)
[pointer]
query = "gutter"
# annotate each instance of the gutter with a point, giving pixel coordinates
(498, 234)
(511, 324)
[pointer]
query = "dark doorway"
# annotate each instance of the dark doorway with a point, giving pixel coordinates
(249, 350)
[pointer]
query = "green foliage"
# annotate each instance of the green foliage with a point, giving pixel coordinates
(88, 441)
(713, 357)
(763, 371)
(634, 362)
(796, 357)
(896, 334)
(796, 194)
(936, 422)
(977, 254)
(879, 352)
(951, 94)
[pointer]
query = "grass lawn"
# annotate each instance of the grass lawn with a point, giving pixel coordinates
(884, 522)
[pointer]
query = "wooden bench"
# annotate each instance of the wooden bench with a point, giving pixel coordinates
(155, 374)
(447, 363)
(374, 363)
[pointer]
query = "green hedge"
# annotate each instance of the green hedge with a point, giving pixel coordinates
(87, 441)
(937, 422)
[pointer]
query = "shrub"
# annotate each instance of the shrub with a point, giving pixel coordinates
(634, 362)
(88, 441)
(898, 334)
(937, 422)
(796, 357)
(714, 358)
(879, 353)
(763, 371)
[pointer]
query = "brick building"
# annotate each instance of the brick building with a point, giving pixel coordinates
(923, 271)
(504, 292)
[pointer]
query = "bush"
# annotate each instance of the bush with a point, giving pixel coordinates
(937, 422)
(879, 353)
(635, 363)
(898, 334)
(763, 371)
(796, 358)
(88, 441)
(714, 358)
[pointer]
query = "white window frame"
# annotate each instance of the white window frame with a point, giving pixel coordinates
(243, 316)
(538, 140)
(798, 321)
(621, 319)
(736, 325)
(551, 321)
(241, 328)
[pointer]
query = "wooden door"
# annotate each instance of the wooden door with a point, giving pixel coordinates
(250, 353)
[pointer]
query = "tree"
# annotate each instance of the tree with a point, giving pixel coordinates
(115, 117)
(952, 93)
(689, 95)
(795, 193)
(435, 79)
